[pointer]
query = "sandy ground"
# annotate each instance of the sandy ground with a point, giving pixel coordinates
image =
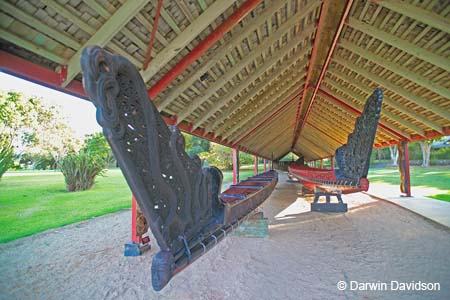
(304, 257)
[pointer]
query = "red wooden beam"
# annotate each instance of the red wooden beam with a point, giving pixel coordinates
(298, 128)
(269, 118)
(320, 26)
(27, 70)
(416, 137)
(235, 166)
(354, 110)
(203, 46)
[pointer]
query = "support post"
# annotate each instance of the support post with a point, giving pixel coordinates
(321, 163)
(332, 162)
(139, 243)
(255, 162)
(403, 157)
(235, 166)
(265, 165)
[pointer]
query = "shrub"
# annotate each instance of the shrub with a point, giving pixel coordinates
(80, 170)
(6, 155)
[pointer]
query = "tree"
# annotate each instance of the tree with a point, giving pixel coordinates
(196, 145)
(394, 154)
(218, 156)
(96, 145)
(425, 146)
(34, 127)
(6, 154)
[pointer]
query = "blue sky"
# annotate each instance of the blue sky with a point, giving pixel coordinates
(79, 113)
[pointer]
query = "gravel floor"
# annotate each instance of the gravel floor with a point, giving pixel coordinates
(304, 257)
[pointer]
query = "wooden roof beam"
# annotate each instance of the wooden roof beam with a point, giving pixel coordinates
(401, 44)
(331, 28)
(396, 68)
(184, 38)
(35, 23)
(386, 100)
(285, 49)
(388, 114)
(287, 64)
(394, 88)
(417, 13)
(349, 106)
(104, 34)
(289, 92)
(223, 50)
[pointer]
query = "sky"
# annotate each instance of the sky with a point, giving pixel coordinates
(79, 113)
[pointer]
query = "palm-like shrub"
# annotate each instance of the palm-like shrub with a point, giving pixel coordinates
(80, 170)
(6, 155)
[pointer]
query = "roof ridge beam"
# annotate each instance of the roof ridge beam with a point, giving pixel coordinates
(401, 44)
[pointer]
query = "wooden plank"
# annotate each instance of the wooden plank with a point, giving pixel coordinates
(396, 68)
(108, 30)
(395, 88)
(33, 22)
(289, 91)
(26, 44)
(414, 12)
(401, 44)
(227, 48)
(240, 65)
(388, 114)
(360, 108)
(183, 39)
(387, 100)
(256, 89)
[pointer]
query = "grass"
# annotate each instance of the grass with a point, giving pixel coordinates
(435, 177)
(34, 201)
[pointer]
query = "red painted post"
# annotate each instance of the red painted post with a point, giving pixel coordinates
(332, 162)
(134, 237)
(321, 163)
(255, 167)
(235, 166)
(405, 185)
(265, 165)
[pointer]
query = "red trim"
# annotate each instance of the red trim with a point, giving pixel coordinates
(255, 165)
(25, 69)
(354, 110)
(152, 37)
(265, 165)
(269, 118)
(202, 47)
(324, 68)
(416, 137)
(134, 237)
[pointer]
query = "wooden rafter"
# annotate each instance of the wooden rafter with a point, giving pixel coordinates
(184, 38)
(104, 34)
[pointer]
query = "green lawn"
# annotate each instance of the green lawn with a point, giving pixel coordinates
(436, 177)
(34, 201)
